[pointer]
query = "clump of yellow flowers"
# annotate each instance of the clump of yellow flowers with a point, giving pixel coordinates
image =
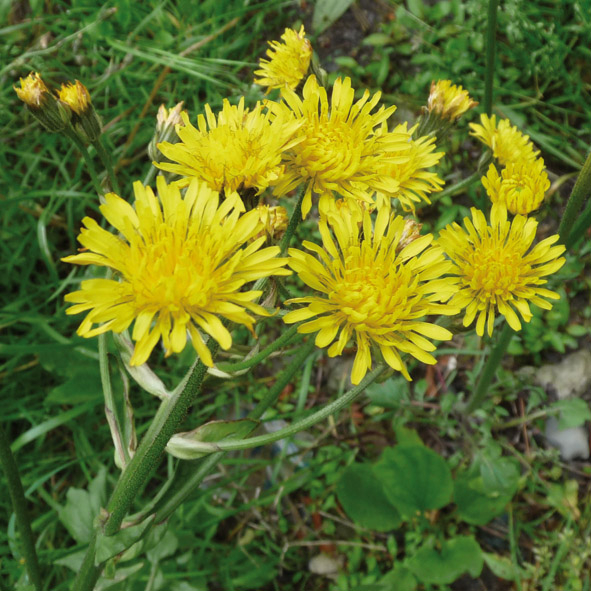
(183, 259)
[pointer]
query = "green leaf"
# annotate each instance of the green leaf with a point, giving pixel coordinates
(83, 506)
(399, 579)
(456, 557)
(188, 446)
(415, 478)
(109, 546)
(476, 504)
(361, 495)
(499, 475)
(502, 567)
(573, 412)
(326, 12)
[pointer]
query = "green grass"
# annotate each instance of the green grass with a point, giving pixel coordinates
(261, 516)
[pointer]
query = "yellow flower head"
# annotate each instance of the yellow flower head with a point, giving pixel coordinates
(507, 143)
(520, 187)
(448, 100)
(76, 96)
(344, 148)
(496, 268)
(414, 178)
(181, 266)
(240, 149)
(372, 291)
(288, 61)
(33, 91)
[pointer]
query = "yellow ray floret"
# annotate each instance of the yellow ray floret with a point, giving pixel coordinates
(448, 100)
(507, 143)
(181, 264)
(372, 290)
(33, 90)
(521, 186)
(240, 149)
(497, 269)
(288, 62)
(415, 180)
(344, 148)
(76, 96)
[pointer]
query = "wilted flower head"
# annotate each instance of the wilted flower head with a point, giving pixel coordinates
(33, 90)
(240, 149)
(288, 61)
(274, 220)
(76, 96)
(507, 143)
(181, 266)
(344, 148)
(520, 187)
(41, 103)
(166, 122)
(496, 268)
(448, 100)
(372, 291)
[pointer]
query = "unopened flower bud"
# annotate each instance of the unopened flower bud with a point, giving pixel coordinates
(166, 122)
(411, 231)
(275, 220)
(448, 100)
(41, 103)
(86, 121)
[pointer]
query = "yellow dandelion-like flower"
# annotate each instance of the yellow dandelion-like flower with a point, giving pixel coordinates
(288, 61)
(240, 149)
(414, 178)
(76, 96)
(521, 186)
(496, 268)
(372, 291)
(507, 143)
(182, 263)
(448, 100)
(33, 91)
(344, 148)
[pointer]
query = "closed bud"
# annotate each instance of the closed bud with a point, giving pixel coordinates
(166, 122)
(76, 97)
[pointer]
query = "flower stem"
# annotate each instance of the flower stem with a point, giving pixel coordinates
(19, 504)
(491, 31)
(107, 161)
(207, 464)
(581, 190)
(489, 370)
(256, 359)
(162, 428)
(294, 220)
(304, 423)
(89, 163)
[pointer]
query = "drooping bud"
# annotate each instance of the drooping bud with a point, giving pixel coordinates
(41, 103)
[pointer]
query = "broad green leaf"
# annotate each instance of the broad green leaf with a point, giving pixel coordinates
(361, 495)
(120, 574)
(502, 567)
(72, 561)
(109, 546)
(326, 12)
(82, 507)
(456, 557)
(399, 579)
(415, 478)
(476, 504)
(188, 446)
(499, 475)
(573, 412)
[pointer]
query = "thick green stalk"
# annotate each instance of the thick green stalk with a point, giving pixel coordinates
(19, 505)
(208, 463)
(581, 190)
(89, 163)
(89, 573)
(107, 161)
(171, 412)
(294, 220)
(256, 359)
(490, 368)
(491, 31)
